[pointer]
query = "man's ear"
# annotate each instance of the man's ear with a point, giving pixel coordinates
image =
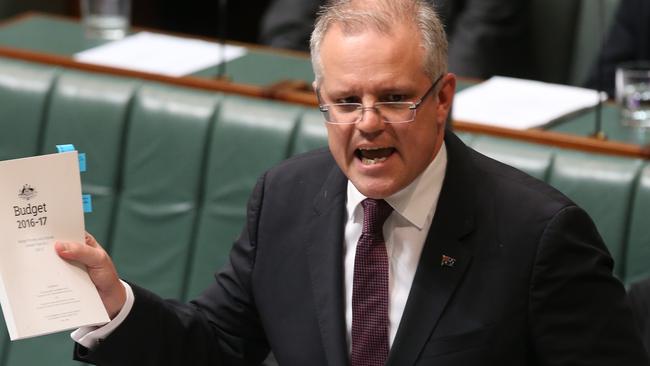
(445, 96)
(314, 85)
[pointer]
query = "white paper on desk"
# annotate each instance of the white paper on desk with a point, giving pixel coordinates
(160, 54)
(518, 103)
(40, 203)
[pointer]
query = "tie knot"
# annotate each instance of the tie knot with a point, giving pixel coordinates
(375, 213)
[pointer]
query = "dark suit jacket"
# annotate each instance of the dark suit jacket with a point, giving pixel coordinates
(628, 40)
(486, 37)
(639, 294)
(532, 283)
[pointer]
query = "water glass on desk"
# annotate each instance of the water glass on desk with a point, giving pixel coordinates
(633, 93)
(105, 19)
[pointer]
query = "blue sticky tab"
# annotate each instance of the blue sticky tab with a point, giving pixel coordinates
(87, 203)
(82, 162)
(65, 148)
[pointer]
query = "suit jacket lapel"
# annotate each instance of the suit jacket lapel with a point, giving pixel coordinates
(325, 253)
(434, 281)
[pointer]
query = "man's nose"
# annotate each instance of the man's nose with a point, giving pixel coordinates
(371, 120)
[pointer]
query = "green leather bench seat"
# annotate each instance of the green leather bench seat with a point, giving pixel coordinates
(249, 136)
(92, 110)
(170, 170)
(162, 172)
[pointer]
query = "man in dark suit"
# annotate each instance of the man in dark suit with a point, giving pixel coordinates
(486, 37)
(628, 40)
(398, 245)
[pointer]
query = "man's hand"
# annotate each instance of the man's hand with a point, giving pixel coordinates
(100, 268)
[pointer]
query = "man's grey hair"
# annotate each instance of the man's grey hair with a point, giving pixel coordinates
(382, 15)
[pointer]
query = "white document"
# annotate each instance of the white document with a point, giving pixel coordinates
(519, 104)
(160, 54)
(40, 203)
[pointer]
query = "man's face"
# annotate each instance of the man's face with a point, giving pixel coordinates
(367, 67)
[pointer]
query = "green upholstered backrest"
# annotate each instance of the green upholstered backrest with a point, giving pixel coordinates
(311, 132)
(90, 111)
(249, 137)
(638, 244)
(604, 187)
(530, 158)
(24, 92)
(161, 175)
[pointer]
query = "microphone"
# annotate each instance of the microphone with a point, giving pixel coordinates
(600, 74)
(221, 33)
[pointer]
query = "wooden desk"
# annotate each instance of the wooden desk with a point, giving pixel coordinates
(283, 75)
(54, 40)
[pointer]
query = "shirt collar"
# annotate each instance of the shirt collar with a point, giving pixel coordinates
(415, 201)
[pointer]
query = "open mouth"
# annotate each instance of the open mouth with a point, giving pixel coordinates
(374, 155)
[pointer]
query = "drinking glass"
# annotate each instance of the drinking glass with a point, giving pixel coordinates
(105, 19)
(633, 93)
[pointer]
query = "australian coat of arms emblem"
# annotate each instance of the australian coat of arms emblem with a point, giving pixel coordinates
(27, 192)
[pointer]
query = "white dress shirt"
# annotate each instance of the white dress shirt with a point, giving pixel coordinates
(405, 231)
(90, 336)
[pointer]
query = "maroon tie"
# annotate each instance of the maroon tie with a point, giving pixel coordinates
(370, 288)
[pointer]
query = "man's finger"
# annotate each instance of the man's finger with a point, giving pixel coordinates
(85, 254)
(100, 268)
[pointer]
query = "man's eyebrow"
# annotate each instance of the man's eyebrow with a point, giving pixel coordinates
(342, 92)
(397, 90)
(406, 89)
(402, 89)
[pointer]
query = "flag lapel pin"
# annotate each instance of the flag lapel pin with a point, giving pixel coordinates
(447, 261)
